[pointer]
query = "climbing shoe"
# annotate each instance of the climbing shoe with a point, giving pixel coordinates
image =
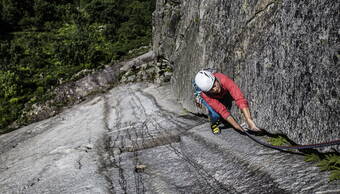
(215, 128)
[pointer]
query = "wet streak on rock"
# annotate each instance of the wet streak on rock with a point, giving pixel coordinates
(158, 128)
(135, 139)
(177, 158)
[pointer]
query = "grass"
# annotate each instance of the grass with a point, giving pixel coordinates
(278, 141)
(325, 161)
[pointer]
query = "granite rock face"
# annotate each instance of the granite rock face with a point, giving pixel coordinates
(284, 55)
(136, 138)
(146, 68)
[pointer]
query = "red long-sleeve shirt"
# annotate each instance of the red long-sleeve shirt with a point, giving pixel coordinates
(227, 85)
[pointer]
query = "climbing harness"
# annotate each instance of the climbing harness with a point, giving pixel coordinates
(298, 147)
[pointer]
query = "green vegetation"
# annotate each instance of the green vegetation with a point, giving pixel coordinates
(278, 141)
(326, 162)
(329, 162)
(43, 43)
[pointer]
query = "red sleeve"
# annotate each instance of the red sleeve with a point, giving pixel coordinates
(233, 89)
(216, 105)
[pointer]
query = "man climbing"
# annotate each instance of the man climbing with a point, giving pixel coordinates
(214, 91)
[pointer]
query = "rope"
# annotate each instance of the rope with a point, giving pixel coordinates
(298, 147)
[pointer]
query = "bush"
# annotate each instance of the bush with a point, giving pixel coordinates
(44, 43)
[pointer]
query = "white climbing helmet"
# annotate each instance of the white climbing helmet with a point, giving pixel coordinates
(204, 80)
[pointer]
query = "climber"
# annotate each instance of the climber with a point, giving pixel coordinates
(216, 91)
